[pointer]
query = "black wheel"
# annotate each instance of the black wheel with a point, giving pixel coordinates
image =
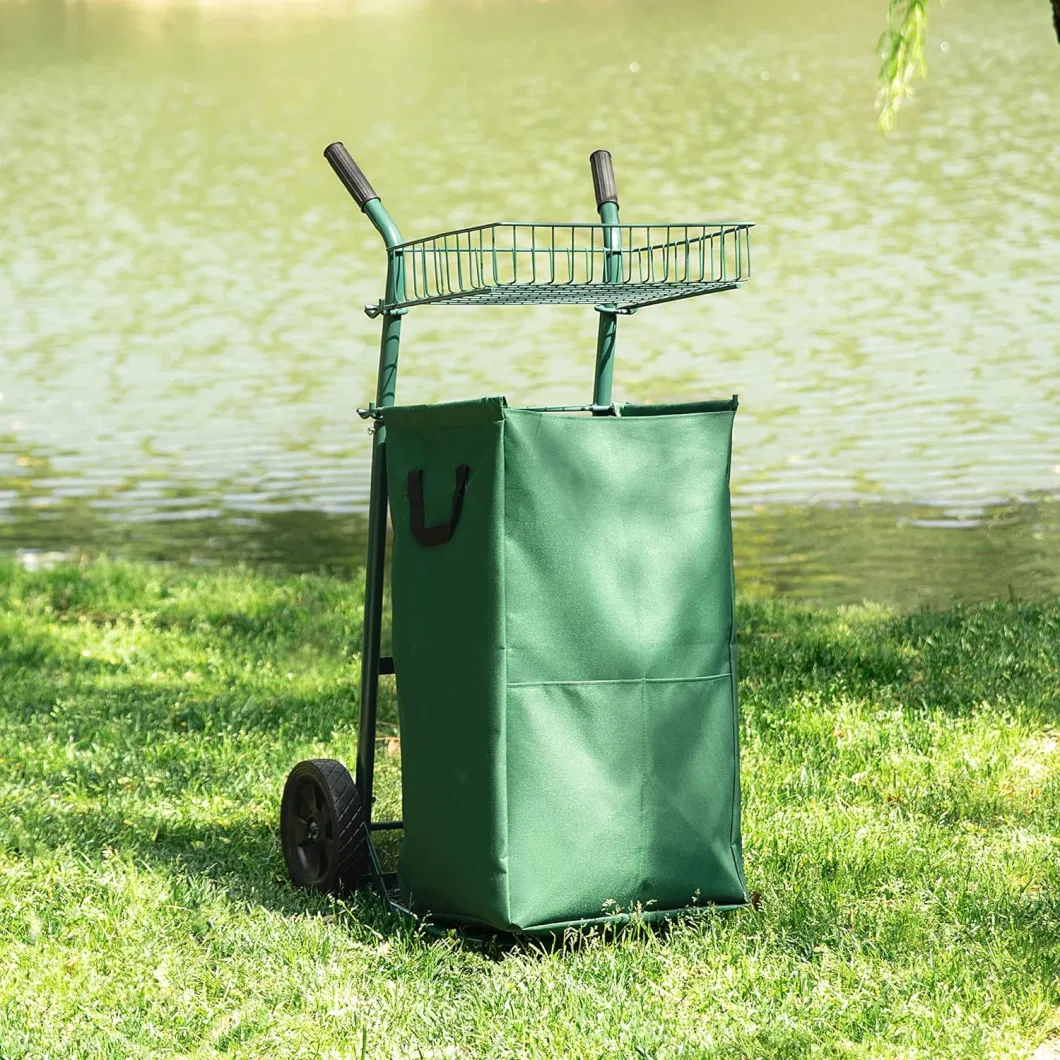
(323, 827)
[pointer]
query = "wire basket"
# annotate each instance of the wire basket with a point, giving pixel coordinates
(621, 266)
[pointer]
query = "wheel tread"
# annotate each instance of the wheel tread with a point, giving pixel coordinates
(353, 863)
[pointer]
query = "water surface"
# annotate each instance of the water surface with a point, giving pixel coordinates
(182, 345)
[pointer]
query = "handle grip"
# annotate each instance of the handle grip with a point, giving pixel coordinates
(603, 178)
(440, 533)
(350, 174)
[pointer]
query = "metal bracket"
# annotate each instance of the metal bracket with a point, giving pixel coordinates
(370, 413)
(621, 310)
(372, 311)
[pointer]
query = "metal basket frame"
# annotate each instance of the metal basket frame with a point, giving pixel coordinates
(526, 263)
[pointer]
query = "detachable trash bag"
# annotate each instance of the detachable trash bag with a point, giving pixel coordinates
(565, 650)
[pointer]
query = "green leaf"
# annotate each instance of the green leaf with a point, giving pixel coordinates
(902, 50)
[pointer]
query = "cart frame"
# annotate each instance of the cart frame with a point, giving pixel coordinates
(617, 268)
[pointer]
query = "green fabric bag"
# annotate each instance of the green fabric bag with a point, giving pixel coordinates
(565, 650)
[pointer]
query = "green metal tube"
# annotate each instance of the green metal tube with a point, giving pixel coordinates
(383, 222)
(375, 561)
(605, 336)
(605, 357)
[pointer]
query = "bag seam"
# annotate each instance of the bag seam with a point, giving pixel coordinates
(734, 693)
(623, 681)
(503, 500)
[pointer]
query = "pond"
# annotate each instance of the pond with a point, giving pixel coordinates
(182, 278)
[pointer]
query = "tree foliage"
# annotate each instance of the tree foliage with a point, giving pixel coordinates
(901, 49)
(903, 56)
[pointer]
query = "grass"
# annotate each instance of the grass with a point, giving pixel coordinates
(902, 797)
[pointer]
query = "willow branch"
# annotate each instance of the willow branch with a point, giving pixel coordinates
(902, 54)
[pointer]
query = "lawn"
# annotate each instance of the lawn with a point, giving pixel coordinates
(902, 801)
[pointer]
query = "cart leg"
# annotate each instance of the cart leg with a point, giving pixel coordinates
(376, 560)
(363, 194)
(372, 632)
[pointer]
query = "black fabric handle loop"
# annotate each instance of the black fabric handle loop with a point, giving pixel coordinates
(440, 532)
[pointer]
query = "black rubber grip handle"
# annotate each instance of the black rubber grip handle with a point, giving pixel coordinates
(603, 178)
(349, 173)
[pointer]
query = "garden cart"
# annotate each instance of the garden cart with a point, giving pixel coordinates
(562, 607)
